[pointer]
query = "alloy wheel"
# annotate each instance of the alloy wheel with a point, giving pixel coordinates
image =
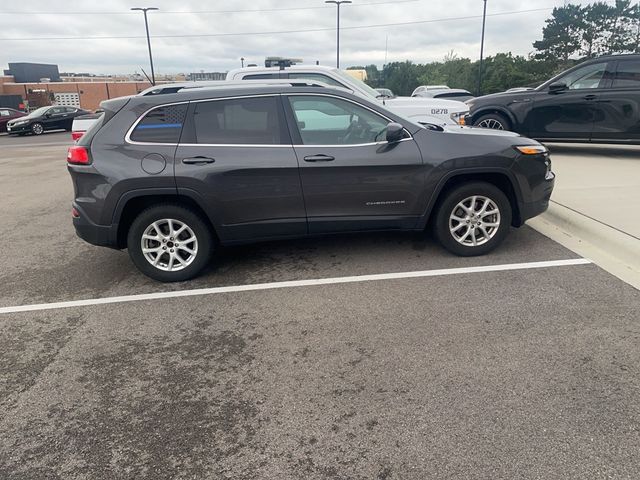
(37, 129)
(474, 221)
(491, 123)
(169, 245)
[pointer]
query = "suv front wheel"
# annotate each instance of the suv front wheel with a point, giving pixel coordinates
(170, 243)
(473, 219)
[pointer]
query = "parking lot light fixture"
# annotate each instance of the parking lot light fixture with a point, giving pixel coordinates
(144, 10)
(338, 3)
(484, 18)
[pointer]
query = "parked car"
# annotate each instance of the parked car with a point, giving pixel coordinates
(385, 93)
(82, 123)
(172, 176)
(458, 94)
(424, 88)
(8, 114)
(597, 101)
(43, 119)
(424, 110)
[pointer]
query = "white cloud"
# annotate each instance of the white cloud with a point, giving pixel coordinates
(418, 42)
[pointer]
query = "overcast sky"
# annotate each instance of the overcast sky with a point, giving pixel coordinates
(208, 46)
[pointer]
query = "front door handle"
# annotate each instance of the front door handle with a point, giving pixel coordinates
(319, 158)
(590, 97)
(198, 160)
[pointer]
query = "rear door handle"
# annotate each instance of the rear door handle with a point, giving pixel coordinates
(198, 160)
(319, 158)
(590, 97)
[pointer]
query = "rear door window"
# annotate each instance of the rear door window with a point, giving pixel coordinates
(627, 75)
(161, 125)
(240, 121)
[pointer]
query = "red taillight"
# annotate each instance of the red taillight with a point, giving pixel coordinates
(78, 155)
(75, 213)
(76, 135)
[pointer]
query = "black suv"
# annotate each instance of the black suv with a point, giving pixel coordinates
(597, 101)
(172, 176)
(45, 118)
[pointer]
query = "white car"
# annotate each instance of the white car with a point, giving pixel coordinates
(426, 88)
(421, 110)
(82, 123)
(450, 93)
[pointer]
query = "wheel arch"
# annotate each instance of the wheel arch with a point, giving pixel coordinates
(503, 179)
(130, 206)
(494, 109)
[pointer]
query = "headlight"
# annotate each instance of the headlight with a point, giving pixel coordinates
(19, 122)
(532, 149)
(459, 117)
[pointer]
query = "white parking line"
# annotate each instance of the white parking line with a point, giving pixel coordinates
(294, 283)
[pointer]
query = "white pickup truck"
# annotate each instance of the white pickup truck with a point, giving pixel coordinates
(418, 109)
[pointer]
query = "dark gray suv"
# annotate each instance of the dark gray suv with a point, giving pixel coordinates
(172, 176)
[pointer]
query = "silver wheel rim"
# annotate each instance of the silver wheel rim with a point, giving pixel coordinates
(474, 221)
(37, 129)
(491, 123)
(169, 245)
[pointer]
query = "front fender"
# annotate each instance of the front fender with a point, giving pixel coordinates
(474, 173)
(491, 109)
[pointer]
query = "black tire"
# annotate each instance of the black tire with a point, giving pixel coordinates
(199, 228)
(495, 121)
(37, 128)
(448, 206)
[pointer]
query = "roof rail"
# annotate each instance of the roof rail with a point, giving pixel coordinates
(185, 86)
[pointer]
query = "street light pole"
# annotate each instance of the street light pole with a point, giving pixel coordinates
(338, 3)
(146, 26)
(484, 18)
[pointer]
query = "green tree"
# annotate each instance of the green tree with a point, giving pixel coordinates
(561, 36)
(401, 77)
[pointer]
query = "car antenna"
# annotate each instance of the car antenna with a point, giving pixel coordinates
(145, 74)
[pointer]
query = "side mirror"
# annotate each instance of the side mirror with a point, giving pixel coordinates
(558, 87)
(395, 132)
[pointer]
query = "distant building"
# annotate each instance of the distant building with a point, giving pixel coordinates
(199, 76)
(25, 72)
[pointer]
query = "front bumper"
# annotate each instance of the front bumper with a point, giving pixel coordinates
(23, 128)
(540, 204)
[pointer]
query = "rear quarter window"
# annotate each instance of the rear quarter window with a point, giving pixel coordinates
(160, 125)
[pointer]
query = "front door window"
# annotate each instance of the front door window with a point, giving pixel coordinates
(324, 120)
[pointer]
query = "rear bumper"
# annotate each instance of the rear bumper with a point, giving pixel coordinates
(100, 235)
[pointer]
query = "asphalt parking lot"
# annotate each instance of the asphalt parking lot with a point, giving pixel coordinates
(512, 373)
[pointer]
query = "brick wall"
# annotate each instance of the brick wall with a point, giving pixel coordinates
(91, 93)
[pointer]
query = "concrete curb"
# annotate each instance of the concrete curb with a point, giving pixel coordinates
(614, 251)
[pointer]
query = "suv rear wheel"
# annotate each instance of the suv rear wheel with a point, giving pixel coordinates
(169, 243)
(473, 219)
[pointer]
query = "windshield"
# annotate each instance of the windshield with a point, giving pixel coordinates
(359, 83)
(39, 111)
